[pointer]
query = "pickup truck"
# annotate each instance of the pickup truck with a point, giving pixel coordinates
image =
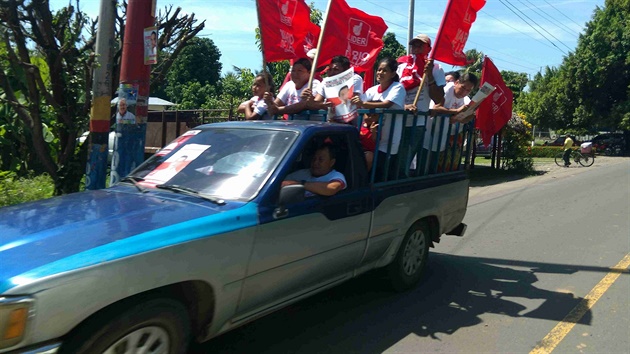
(203, 237)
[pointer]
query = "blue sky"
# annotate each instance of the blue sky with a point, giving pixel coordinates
(501, 34)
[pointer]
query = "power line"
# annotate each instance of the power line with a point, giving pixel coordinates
(541, 27)
(398, 13)
(551, 20)
(518, 30)
(535, 29)
(492, 50)
(563, 14)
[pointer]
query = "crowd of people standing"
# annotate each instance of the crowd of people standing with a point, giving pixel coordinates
(398, 88)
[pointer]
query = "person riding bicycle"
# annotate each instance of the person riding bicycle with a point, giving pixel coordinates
(568, 144)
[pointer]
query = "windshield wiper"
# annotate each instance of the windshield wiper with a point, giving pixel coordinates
(189, 191)
(134, 181)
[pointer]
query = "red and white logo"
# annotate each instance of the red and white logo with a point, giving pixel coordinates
(498, 99)
(287, 11)
(358, 32)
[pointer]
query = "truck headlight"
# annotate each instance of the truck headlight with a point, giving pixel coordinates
(14, 315)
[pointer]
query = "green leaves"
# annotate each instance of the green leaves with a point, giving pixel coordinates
(590, 90)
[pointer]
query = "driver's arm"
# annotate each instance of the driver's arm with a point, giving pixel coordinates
(324, 188)
(319, 188)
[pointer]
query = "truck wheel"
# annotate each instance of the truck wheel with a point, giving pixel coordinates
(155, 326)
(406, 269)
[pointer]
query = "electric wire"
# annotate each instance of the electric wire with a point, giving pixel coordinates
(536, 23)
(430, 26)
(518, 30)
(534, 28)
(551, 20)
(563, 14)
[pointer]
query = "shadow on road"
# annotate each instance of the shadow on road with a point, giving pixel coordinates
(482, 176)
(364, 316)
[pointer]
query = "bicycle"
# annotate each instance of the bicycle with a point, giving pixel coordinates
(585, 160)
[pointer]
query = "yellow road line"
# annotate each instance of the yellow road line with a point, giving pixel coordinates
(557, 334)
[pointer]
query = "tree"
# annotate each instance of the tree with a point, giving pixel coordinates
(515, 81)
(46, 78)
(391, 48)
(475, 62)
(590, 90)
(198, 62)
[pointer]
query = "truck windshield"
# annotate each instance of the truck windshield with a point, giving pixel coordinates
(230, 163)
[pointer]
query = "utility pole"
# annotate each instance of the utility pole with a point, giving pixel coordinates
(135, 72)
(410, 29)
(96, 169)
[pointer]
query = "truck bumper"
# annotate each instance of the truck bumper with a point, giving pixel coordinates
(459, 230)
(43, 348)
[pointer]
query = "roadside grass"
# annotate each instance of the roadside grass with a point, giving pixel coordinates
(15, 190)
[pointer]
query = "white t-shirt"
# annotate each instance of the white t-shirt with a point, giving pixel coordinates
(395, 93)
(450, 102)
(305, 174)
(290, 95)
(260, 108)
(424, 99)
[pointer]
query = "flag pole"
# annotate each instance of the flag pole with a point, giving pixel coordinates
(319, 44)
(432, 53)
(262, 45)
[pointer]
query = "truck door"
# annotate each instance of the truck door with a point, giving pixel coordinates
(318, 242)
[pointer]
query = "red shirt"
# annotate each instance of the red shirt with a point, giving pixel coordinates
(365, 137)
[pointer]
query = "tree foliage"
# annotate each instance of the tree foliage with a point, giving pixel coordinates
(46, 64)
(591, 88)
(391, 48)
(197, 63)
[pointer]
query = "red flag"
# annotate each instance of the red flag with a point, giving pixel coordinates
(286, 29)
(353, 33)
(495, 111)
(453, 33)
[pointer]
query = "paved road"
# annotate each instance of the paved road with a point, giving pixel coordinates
(535, 264)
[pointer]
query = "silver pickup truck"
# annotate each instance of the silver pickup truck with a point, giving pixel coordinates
(203, 237)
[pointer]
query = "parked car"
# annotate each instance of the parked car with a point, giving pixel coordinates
(609, 143)
(560, 141)
(110, 145)
(483, 151)
(205, 236)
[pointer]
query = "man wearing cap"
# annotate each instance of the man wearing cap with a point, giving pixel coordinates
(410, 70)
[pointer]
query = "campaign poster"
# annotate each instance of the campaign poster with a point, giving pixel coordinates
(175, 163)
(339, 90)
(150, 45)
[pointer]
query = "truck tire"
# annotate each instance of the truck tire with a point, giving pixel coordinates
(406, 269)
(154, 326)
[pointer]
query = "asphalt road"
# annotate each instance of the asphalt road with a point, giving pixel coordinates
(532, 274)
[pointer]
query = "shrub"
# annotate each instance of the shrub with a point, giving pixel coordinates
(544, 151)
(516, 135)
(14, 190)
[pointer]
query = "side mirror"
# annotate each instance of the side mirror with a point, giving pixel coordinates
(288, 195)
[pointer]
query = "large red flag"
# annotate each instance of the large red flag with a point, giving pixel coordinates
(495, 111)
(453, 33)
(286, 29)
(353, 33)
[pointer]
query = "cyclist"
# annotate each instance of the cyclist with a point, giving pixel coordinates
(568, 144)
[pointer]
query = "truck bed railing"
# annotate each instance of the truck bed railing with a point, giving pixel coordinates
(418, 144)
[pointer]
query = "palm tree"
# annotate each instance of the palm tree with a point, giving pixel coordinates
(475, 62)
